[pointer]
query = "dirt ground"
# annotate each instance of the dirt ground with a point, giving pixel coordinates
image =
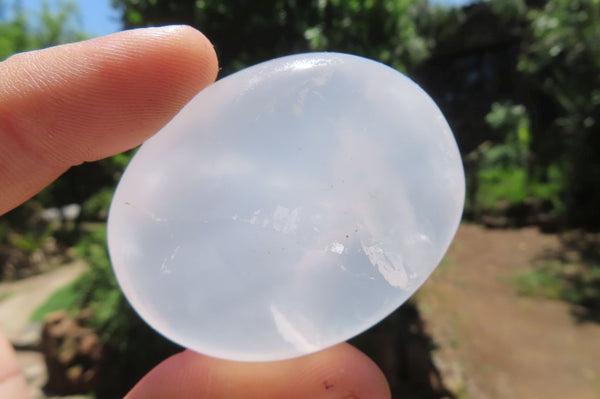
(18, 300)
(493, 343)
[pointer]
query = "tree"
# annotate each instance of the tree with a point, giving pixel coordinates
(561, 59)
(246, 32)
(52, 26)
(543, 54)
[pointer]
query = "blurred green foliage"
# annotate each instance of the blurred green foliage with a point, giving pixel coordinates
(512, 123)
(529, 146)
(53, 25)
(397, 32)
(64, 298)
(547, 63)
(561, 58)
(540, 283)
(96, 207)
(575, 281)
(503, 170)
(546, 145)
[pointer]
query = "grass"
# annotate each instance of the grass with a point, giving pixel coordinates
(501, 184)
(63, 298)
(573, 282)
(446, 267)
(5, 295)
(92, 248)
(447, 261)
(540, 282)
(514, 186)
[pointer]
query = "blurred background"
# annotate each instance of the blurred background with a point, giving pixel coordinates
(513, 311)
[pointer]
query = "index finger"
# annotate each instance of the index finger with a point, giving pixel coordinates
(81, 102)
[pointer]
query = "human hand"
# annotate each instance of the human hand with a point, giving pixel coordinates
(81, 102)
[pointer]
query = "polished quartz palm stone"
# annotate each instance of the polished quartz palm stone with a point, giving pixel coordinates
(287, 208)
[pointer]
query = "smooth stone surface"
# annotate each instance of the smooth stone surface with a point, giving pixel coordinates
(287, 208)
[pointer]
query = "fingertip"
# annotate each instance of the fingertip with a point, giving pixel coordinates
(340, 372)
(186, 44)
(371, 382)
(202, 45)
(345, 372)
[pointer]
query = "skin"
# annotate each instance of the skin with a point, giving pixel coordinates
(81, 102)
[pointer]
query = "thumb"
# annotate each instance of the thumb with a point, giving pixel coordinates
(12, 382)
(340, 372)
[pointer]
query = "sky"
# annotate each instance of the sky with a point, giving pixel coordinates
(98, 18)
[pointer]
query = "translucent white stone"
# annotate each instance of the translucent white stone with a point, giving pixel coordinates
(287, 208)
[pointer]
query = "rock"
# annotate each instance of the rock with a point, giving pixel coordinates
(72, 353)
(29, 339)
(71, 212)
(56, 216)
(12, 262)
(50, 246)
(494, 222)
(51, 215)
